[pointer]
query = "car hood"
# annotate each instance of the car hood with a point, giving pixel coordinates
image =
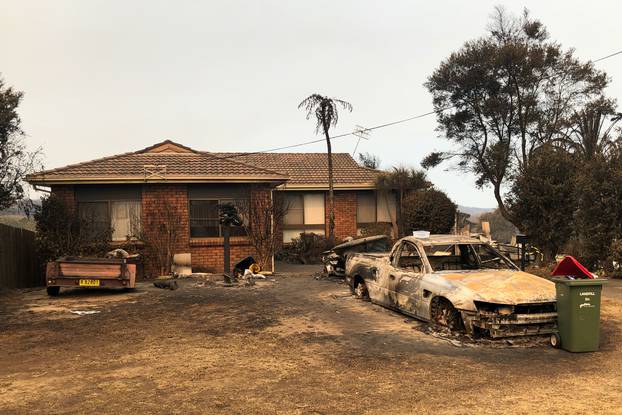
(503, 286)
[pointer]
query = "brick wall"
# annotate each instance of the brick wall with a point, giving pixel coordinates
(163, 205)
(345, 214)
(66, 193)
(207, 253)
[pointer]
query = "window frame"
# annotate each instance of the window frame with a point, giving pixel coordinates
(305, 228)
(218, 201)
(395, 261)
(109, 203)
(375, 194)
(375, 198)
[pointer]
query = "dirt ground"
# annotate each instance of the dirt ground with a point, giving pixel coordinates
(293, 346)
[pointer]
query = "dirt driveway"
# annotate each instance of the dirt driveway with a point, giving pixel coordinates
(297, 345)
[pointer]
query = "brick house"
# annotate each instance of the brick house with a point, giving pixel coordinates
(124, 192)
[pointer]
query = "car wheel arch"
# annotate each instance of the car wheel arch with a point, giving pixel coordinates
(438, 301)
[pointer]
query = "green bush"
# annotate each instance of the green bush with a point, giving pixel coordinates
(429, 210)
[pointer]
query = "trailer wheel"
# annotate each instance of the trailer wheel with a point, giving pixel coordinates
(53, 291)
(555, 340)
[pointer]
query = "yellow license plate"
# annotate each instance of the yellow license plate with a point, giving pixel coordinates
(89, 283)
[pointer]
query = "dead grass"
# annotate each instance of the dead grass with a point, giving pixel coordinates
(295, 346)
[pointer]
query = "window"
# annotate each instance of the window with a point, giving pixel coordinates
(386, 207)
(125, 219)
(409, 258)
(374, 207)
(366, 207)
(305, 213)
(456, 257)
(94, 217)
(205, 221)
(121, 218)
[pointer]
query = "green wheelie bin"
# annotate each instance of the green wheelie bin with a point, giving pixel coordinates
(578, 314)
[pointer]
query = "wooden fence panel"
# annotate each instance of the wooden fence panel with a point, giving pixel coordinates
(18, 262)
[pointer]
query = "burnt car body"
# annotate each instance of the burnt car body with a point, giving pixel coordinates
(334, 260)
(456, 281)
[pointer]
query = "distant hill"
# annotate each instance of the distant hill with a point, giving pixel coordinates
(15, 210)
(474, 211)
(18, 221)
(14, 216)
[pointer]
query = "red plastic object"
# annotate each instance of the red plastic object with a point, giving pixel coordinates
(570, 266)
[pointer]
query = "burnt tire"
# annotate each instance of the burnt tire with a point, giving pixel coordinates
(443, 313)
(53, 291)
(360, 290)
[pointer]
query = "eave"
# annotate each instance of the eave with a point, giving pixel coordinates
(57, 180)
(322, 186)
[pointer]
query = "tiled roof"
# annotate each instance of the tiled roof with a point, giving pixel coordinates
(185, 164)
(309, 168)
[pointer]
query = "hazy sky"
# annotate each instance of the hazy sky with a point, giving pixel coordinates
(105, 77)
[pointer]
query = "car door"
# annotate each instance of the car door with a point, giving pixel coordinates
(406, 284)
(385, 276)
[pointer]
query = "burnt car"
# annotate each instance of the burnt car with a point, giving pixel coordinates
(455, 281)
(334, 260)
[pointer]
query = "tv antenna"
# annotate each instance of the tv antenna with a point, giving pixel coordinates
(360, 132)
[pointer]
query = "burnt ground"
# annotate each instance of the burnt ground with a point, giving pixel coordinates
(293, 346)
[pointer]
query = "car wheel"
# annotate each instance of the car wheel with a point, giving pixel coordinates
(360, 290)
(53, 291)
(444, 314)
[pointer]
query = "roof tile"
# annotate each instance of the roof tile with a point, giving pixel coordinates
(181, 161)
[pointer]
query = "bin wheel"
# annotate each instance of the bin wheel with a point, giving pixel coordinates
(555, 340)
(53, 291)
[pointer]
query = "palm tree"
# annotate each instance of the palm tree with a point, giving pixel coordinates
(326, 114)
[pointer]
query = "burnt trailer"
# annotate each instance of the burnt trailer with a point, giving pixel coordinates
(85, 272)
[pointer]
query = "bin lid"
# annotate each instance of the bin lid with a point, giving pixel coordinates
(570, 266)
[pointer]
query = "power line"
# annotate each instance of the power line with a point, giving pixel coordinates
(388, 124)
(608, 56)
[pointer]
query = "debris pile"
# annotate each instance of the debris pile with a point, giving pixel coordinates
(166, 284)
(466, 340)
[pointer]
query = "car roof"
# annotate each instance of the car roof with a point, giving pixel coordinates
(444, 239)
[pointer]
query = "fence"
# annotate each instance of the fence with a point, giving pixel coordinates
(18, 263)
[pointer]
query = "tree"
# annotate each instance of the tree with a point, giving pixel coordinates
(430, 209)
(400, 181)
(326, 113)
(589, 134)
(370, 161)
(542, 199)
(502, 96)
(598, 217)
(15, 161)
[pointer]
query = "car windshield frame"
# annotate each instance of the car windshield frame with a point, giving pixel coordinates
(472, 250)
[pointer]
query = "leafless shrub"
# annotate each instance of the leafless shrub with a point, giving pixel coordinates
(261, 214)
(161, 234)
